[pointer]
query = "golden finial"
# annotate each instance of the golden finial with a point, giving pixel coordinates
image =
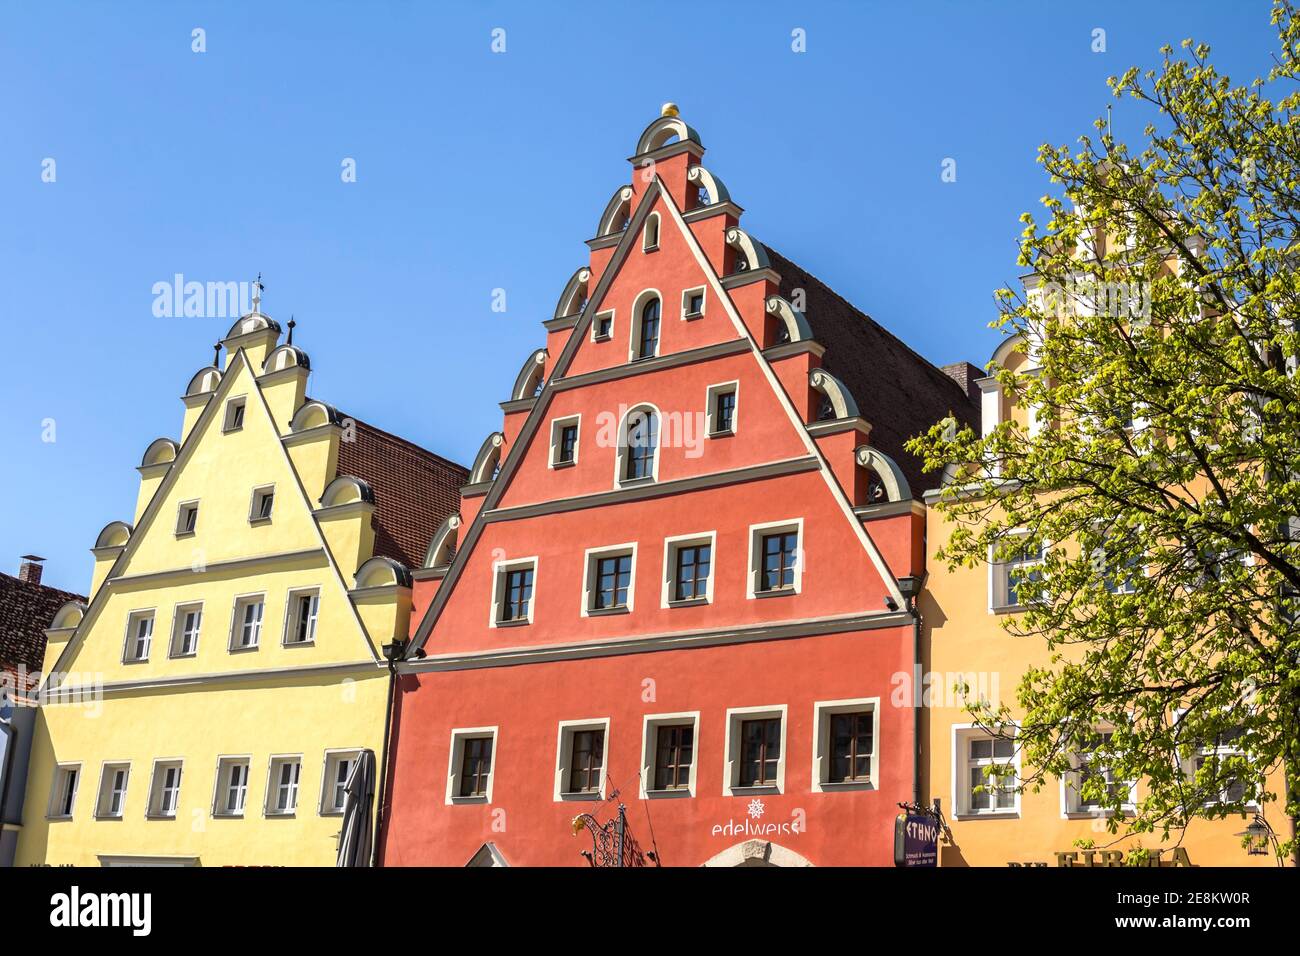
(669, 109)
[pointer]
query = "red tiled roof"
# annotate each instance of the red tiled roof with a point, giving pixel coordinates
(897, 391)
(26, 610)
(415, 490)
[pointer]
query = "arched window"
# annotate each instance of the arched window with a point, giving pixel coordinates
(641, 444)
(650, 238)
(648, 330)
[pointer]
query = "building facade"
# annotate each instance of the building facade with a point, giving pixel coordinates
(209, 703)
(679, 579)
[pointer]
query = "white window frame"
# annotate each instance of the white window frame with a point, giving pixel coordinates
(228, 416)
(329, 775)
(59, 791)
(272, 795)
(1070, 806)
(595, 325)
(1187, 763)
(557, 429)
(646, 244)
(590, 580)
(734, 749)
(179, 613)
(153, 808)
(103, 799)
(237, 622)
(221, 785)
(456, 757)
(650, 725)
(961, 793)
(711, 405)
(128, 645)
(671, 547)
(823, 711)
(703, 293)
(564, 757)
(499, 572)
(634, 339)
(182, 509)
(621, 447)
(255, 515)
(756, 534)
(1000, 575)
(291, 616)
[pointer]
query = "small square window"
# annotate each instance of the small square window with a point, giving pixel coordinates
(300, 622)
(609, 579)
(512, 592)
(721, 411)
(185, 630)
(187, 518)
(139, 637)
(1016, 580)
(1089, 761)
(688, 569)
(234, 415)
(469, 768)
(232, 787)
(986, 772)
(693, 303)
(602, 327)
(564, 441)
(580, 771)
(262, 504)
(334, 785)
(282, 786)
(775, 559)
(246, 631)
(165, 789)
(112, 791)
(63, 794)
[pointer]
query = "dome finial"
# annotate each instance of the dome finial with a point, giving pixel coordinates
(257, 294)
(669, 109)
(292, 323)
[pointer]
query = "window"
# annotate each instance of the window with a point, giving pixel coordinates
(564, 441)
(986, 773)
(300, 622)
(469, 765)
(165, 789)
(639, 446)
(608, 579)
(668, 755)
(262, 503)
(512, 598)
(339, 765)
(63, 794)
(234, 415)
(580, 768)
(247, 631)
(650, 238)
(139, 637)
(1017, 580)
(775, 558)
(721, 411)
(844, 744)
(602, 327)
(185, 630)
(1089, 761)
(688, 569)
(282, 786)
(647, 331)
(112, 791)
(1206, 758)
(693, 303)
(232, 787)
(1117, 577)
(755, 750)
(187, 517)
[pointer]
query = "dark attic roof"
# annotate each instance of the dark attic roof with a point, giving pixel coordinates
(898, 392)
(26, 610)
(415, 490)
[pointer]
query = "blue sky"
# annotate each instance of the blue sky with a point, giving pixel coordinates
(479, 170)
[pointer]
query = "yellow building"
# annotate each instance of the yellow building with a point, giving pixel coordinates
(209, 702)
(964, 641)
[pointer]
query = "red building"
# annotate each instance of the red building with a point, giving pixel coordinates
(674, 583)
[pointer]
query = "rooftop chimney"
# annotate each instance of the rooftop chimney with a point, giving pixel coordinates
(30, 570)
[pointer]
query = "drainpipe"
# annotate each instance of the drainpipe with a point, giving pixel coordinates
(910, 587)
(393, 653)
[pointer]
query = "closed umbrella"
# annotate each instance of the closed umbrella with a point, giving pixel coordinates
(356, 834)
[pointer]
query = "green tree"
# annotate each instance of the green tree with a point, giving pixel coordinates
(1157, 348)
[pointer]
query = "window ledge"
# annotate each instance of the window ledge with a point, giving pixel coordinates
(689, 602)
(259, 520)
(608, 611)
(681, 793)
(243, 649)
(106, 816)
(160, 816)
(227, 816)
(1008, 609)
(562, 464)
(136, 660)
(767, 788)
(778, 592)
(724, 433)
(633, 482)
(54, 817)
(594, 796)
(522, 622)
(286, 815)
(836, 786)
(1095, 814)
(987, 815)
(692, 315)
(184, 534)
(480, 800)
(311, 643)
(181, 657)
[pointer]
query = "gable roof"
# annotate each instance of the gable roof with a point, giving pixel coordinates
(900, 393)
(415, 490)
(26, 610)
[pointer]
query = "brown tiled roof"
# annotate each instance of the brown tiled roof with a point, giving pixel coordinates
(897, 391)
(26, 610)
(415, 490)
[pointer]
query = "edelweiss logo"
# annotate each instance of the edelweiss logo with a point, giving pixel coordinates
(103, 909)
(756, 808)
(749, 825)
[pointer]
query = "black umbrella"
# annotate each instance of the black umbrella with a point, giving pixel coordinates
(355, 835)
